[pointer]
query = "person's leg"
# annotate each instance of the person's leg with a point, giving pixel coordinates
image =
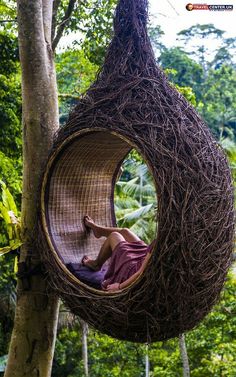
(102, 231)
(105, 252)
(129, 235)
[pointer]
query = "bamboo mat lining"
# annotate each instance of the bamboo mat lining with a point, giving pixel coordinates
(82, 183)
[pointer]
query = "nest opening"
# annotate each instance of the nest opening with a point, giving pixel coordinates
(80, 179)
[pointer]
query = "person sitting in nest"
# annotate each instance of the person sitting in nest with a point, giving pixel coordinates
(129, 255)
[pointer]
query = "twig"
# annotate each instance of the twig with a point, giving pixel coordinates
(68, 95)
(56, 5)
(172, 6)
(63, 24)
(13, 20)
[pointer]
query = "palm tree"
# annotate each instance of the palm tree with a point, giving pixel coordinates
(135, 198)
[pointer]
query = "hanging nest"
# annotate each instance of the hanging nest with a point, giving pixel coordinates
(132, 105)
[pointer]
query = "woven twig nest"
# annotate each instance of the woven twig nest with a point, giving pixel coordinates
(132, 105)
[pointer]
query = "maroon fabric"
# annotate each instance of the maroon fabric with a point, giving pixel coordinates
(126, 259)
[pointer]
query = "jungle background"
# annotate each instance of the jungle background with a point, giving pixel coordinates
(208, 81)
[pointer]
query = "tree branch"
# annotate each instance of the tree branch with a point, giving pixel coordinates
(4, 21)
(67, 95)
(64, 23)
(47, 20)
(56, 4)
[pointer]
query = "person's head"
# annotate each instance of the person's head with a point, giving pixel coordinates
(189, 6)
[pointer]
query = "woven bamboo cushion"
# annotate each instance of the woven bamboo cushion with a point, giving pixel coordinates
(82, 182)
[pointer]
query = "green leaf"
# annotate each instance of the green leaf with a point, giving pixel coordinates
(7, 249)
(4, 213)
(7, 199)
(15, 265)
(3, 363)
(138, 212)
(4, 250)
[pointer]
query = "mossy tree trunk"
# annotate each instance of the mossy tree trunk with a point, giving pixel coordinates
(33, 337)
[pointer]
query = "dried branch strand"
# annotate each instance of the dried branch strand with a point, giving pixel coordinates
(64, 23)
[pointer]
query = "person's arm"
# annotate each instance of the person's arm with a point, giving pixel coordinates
(131, 279)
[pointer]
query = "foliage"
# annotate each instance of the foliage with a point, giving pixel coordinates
(211, 349)
(182, 70)
(10, 107)
(10, 168)
(116, 358)
(9, 53)
(7, 300)
(135, 198)
(225, 54)
(10, 172)
(212, 345)
(214, 89)
(9, 213)
(218, 104)
(186, 91)
(3, 361)
(200, 33)
(229, 146)
(107, 357)
(203, 31)
(93, 20)
(9, 234)
(98, 29)
(68, 353)
(155, 34)
(10, 114)
(8, 19)
(75, 73)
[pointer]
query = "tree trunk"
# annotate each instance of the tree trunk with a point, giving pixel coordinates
(85, 347)
(147, 362)
(33, 337)
(184, 356)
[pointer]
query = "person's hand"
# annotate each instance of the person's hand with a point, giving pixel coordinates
(113, 287)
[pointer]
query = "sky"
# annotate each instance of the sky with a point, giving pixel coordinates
(173, 17)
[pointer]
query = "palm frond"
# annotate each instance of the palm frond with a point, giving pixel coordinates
(145, 229)
(125, 203)
(134, 215)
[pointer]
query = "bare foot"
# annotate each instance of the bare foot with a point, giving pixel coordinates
(91, 263)
(89, 222)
